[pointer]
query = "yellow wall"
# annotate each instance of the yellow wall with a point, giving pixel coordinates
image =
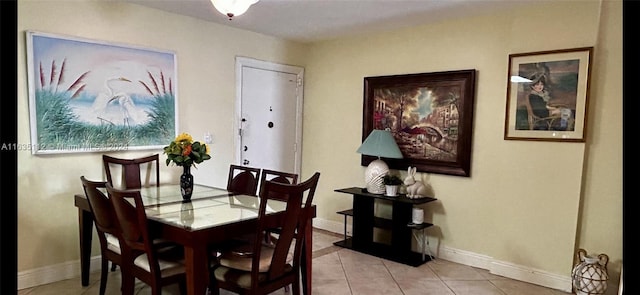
(521, 204)
(47, 219)
(526, 203)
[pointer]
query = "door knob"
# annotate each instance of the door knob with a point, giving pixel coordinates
(245, 148)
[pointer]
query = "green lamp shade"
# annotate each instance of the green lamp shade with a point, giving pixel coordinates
(380, 143)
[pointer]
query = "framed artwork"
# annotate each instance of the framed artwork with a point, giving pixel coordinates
(90, 96)
(430, 116)
(547, 95)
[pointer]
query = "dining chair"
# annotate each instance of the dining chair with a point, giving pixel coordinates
(106, 227)
(243, 180)
(281, 177)
(270, 267)
(130, 170)
(278, 176)
(157, 264)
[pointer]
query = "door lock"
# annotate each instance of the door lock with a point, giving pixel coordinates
(245, 162)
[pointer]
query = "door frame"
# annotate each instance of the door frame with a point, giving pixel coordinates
(242, 62)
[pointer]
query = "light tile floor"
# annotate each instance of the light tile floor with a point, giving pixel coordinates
(339, 271)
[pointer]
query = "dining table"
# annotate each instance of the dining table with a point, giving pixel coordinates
(211, 216)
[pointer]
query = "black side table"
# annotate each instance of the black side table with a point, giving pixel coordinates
(364, 221)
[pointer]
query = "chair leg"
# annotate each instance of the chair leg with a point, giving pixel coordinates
(103, 275)
(128, 282)
(213, 283)
(296, 287)
(113, 266)
(183, 287)
(156, 289)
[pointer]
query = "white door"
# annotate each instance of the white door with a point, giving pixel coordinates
(269, 115)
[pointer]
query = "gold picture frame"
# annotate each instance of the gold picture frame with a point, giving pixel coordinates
(547, 95)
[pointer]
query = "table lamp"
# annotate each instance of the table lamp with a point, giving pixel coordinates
(379, 143)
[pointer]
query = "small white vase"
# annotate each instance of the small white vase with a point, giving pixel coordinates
(391, 190)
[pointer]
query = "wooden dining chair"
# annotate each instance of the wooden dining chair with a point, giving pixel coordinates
(276, 176)
(130, 171)
(106, 227)
(243, 180)
(270, 267)
(157, 264)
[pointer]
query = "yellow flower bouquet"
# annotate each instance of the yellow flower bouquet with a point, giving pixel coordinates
(183, 151)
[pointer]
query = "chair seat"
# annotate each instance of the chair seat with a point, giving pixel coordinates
(240, 277)
(112, 243)
(241, 258)
(170, 261)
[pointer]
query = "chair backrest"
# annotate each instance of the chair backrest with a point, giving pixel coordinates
(243, 180)
(103, 213)
(153, 261)
(277, 176)
(134, 229)
(299, 198)
(130, 171)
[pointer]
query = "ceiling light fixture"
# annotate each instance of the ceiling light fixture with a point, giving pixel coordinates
(232, 8)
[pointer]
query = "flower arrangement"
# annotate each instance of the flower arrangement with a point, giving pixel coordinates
(183, 151)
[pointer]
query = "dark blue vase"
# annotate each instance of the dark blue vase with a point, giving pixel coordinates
(186, 183)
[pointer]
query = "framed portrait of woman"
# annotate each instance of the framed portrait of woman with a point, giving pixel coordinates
(547, 95)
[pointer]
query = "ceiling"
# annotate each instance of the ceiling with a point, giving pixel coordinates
(317, 20)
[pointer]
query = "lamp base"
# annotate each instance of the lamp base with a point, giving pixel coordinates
(373, 175)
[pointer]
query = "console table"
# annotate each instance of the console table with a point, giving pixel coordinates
(364, 221)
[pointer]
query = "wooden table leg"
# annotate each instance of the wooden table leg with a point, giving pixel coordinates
(195, 258)
(307, 257)
(85, 222)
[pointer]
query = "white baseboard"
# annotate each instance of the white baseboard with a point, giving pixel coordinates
(530, 275)
(68, 270)
(332, 226)
(54, 273)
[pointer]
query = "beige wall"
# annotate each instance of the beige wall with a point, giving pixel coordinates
(47, 219)
(526, 204)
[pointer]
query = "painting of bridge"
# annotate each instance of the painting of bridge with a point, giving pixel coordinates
(429, 115)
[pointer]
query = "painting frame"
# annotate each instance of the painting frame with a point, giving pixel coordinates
(548, 94)
(88, 95)
(436, 119)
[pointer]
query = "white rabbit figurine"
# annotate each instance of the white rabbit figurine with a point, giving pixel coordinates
(415, 188)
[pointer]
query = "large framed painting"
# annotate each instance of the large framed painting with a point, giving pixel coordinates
(88, 96)
(430, 116)
(547, 95)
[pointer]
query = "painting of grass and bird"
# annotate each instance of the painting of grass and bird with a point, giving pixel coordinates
(88, 96)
